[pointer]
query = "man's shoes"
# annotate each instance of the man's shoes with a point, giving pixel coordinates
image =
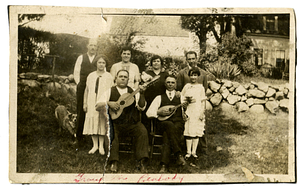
(142, 165)
(163, 169)
(114, 166)
(180, 161)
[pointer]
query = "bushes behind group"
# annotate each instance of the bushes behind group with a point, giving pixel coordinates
(227, 60)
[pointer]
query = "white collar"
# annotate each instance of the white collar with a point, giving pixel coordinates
(172, 92)
(121, 88)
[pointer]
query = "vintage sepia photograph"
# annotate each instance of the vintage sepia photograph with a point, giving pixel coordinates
(111, 95)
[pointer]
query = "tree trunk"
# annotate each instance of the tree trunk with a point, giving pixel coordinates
(202, 41)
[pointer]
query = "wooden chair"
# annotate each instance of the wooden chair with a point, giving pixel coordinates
(157, 140)
(154, 139)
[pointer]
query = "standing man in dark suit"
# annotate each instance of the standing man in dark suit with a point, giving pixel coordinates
(183, 77)
(83, 67)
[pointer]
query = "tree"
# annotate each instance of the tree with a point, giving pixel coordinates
(199, 24)
(124, 25)
(233, 55)
(202, 24)
(28, 50)
(125, 28)
(123, 32)
(236, 51)
(29, 18)
(36, 48)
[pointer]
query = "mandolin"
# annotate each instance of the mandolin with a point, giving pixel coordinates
(127, 99)
(172, 109)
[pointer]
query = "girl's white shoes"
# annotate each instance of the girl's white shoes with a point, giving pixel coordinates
(194, 155)
(187, 156)
(93, 150)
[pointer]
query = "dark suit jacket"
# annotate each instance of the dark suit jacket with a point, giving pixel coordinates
(183, 78)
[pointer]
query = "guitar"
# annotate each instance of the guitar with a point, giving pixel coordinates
(127, 99)
(172, 109)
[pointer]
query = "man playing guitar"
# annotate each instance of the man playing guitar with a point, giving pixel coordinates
(173, 126)
(128, 123)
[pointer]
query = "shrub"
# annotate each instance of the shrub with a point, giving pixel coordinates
(231, 57)
(207, 58)
(238, 50)
(223, 69)
(276, 73)
(248, 68)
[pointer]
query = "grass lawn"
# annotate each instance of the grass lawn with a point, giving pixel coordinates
(246, 79)
(258, 142)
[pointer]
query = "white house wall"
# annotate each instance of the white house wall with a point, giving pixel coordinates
(167, 46)
(270, 45)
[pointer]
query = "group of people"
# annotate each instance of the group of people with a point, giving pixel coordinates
(99, 109)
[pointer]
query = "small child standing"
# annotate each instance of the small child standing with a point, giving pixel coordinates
(194, 126)
(95, 121)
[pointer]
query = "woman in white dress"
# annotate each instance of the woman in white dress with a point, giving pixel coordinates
(96, 121)
(194, 126)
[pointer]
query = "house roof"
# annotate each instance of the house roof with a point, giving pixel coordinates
(149, 25)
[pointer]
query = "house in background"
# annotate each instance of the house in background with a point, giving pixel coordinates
(162, 35)
(270, 36)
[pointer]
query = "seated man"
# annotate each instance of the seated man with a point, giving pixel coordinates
(172, 127)
(128, 123)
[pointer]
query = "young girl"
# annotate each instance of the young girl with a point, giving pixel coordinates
(95, 121)
(194, 126)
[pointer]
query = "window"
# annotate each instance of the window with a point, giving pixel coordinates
(280, 59)
(270, 24)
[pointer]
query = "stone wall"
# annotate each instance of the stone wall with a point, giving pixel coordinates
(253, 97)
(32, 80)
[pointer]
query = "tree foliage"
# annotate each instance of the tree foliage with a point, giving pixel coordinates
(111, 46)
(67, 47)
(237, 49)
(202, 24)
(29, 50)
(233, 48)
(233, 52)
(28, 39)
(29, 18)
(128, 24)
(36, 50)
(123, 33)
